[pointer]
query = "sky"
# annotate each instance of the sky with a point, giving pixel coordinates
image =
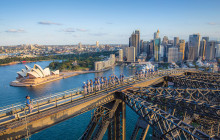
(68, 22)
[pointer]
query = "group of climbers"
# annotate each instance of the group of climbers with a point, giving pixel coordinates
(102, 83)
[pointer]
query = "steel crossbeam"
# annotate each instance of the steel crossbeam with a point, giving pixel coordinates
(173, 99)
(204, 74)
(208, 78)
(104, 117)
(190, 83)
(164, 124)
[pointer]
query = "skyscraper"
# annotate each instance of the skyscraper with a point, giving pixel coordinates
(165, 41)
(120, 55)
(141, 46)
(161, 53)
(176, 41)
(206, 39)
(134, 41)
(217, 46)
(156, 34)
(210, 51)
(182, 48)
(97, 43)
(151, 48)
(130, 54)
(156, 49)
(203, 45)
(194, 41)
(80, 45)
(172, 54)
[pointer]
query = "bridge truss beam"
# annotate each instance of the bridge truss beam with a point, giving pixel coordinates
(183, 82)
(199, 112)
(209, 78)
(109, 117)
(164, 124)
(217, 75)
(175, 98)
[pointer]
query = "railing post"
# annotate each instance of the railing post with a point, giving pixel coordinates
(38, 107)
(56, 101)
(12, 109)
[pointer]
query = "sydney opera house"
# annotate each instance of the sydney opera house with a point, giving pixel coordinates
(35, 72)
(33, 76)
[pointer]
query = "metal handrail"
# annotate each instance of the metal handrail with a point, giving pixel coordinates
(47, 99)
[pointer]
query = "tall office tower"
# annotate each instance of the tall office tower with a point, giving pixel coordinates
(173, 54)
(130, 54)
(112, 59)
(97, 43)
(130, 41)
(191, 53)
(134, 41)
(141, 46)
(156, 34)
(176, 41)
(165, 40)
(210, 51)
(171, 42)
(161, 53)
(146, 48)
(120, 55)
(182, 46)
(80, 45)
(137, 32)
(156, 49)
(151, 48)
(217, 46)
(186, 50)
(206, 39)
(194, 41)
(202, 49)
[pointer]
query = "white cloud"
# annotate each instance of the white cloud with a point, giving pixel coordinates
(82, 30)
(99, 34)
(48, 23)
(15, 31)
(69, 30)
(213, 23)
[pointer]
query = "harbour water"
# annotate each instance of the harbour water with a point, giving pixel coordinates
(72, 128)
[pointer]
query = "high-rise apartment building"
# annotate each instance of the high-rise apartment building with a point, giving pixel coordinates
(165, 41)
(206, 39)
(134, 41)
(120, 55)
(172, 54)
(156, 34)
(194, 41)
(176, 41)
(141, 46)
(80, 45)
(202, 50)
(97, 43)
(210, 50)
(130, 54)
(217, 46)
(151, 48)
(182, 48)
(161, 53)
(156, 49)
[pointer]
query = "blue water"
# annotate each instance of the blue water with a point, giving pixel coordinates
(72, 128)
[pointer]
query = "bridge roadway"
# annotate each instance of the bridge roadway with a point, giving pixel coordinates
(16, 123)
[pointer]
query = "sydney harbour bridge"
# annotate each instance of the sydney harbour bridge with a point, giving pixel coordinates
(173, 104)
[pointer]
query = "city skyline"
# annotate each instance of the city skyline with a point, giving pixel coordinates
(67, 22)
